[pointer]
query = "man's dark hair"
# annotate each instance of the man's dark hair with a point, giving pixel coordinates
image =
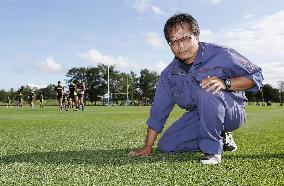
(178, 19)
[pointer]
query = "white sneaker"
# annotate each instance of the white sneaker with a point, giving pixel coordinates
(228, 142)
(210, 159)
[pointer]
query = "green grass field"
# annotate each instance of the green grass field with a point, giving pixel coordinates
(48, 147)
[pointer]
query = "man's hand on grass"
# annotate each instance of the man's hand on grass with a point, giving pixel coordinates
(144, 151)
(147, 148)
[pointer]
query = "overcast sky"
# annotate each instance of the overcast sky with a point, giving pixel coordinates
(41, 39)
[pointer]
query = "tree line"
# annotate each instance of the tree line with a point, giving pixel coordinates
(140, 88)
(267, 94)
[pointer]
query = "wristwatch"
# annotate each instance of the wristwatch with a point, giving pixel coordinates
(227, 83)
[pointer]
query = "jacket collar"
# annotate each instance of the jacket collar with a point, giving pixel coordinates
(178, 67)
(200, 54)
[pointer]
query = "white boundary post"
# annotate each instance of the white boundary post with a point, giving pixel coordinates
(108, 85)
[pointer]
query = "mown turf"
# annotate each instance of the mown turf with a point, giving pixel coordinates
(47, 147)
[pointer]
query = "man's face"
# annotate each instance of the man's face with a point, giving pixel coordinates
(183, 43)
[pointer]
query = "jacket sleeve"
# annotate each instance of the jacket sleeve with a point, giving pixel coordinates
(237, 65)
(162, 106)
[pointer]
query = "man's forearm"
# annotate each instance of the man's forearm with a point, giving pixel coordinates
(151, 137)
(241, 83)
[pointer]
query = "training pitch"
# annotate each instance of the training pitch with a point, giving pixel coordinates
(48, 147)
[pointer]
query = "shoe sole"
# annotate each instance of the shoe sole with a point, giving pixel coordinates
(207, 162)
(229, 150)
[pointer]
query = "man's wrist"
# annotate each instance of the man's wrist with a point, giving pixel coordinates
(227, 83)
(148, 146)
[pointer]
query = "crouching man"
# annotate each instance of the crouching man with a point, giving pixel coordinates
(206, 80)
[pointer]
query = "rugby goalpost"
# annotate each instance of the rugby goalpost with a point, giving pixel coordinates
(123, 93)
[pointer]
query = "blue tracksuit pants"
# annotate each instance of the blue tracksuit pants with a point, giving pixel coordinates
(200, 129)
